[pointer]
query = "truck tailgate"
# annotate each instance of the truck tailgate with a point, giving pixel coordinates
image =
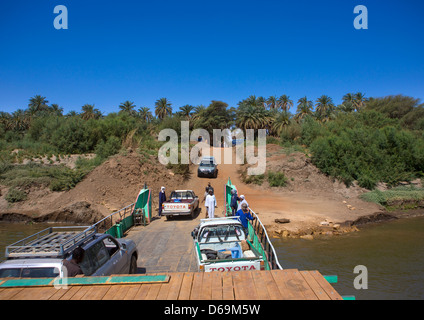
(241, 265)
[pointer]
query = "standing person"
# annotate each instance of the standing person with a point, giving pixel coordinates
(72, 266)
(162, 199)
(233, 203)
(208, 187)
(210, 204)
(244, 214)
(243, 200)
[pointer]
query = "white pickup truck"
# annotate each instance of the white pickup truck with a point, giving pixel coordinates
(221, 245)
(181, 202)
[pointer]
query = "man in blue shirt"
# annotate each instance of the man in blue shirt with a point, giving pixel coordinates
(244, 214)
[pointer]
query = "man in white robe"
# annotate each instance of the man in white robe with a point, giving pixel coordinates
(210, 204)
(243, 200)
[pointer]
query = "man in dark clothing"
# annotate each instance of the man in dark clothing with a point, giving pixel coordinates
(162, 199)
(233, 203)
(72, 266)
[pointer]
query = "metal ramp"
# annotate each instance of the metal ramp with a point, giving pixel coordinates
(51, 242)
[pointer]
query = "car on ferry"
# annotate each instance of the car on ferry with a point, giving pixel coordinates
(221, 244)
(207, 167)
(41, 255)
(181, 203)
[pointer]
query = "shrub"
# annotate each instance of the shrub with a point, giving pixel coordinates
(108, 148)
(277, 179)
(255, 179)
(15, 195)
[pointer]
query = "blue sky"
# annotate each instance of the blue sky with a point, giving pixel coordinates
(192, 52)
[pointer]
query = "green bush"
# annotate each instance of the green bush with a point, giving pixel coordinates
(277, 179)
(108, 148)
(255, 179)
(15, 195)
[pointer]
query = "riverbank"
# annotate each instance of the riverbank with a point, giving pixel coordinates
(330, 228)
(312, 203)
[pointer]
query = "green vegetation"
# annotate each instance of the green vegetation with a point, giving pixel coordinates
(402, 196)
(277, 179)
(365, 140)
(15, 195)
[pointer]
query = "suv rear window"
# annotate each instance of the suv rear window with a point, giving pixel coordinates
(29, 272)
(95, 257)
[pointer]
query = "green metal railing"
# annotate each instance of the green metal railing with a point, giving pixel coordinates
(119, 222)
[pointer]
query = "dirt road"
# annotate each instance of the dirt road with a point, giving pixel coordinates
(305, 208)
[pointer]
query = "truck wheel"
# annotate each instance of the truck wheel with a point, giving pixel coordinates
(133, 265)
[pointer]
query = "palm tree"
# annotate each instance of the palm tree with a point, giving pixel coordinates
(37, 104)
(128, 107)
(71, 113)
(145, 114)
(280, 122)
(348, 104)
(360, 101)
(89, 112)
(198, 112)
(304, 108)
(324, 107)
(5, 120)
(253, 118)
(163, 108)
(19, 120)
(56, 109)
(252, 101)
(285, 102)
(272, 102)
(187, 111)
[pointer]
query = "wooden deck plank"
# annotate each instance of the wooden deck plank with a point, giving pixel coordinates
(96, 292)
(58, 294)
(7, 294)
(206, 293)
(316, 288)
(227, 286)
(240, 287)
(293, 285)
(185, 290)
(163, 292)
(175, 285)
(196, 289)
(153, 292)
(303, 286)
(216, 289)
(281, 281)
(70, 292)
(80, 293)
(249, 287)
(132, 291)
(271, 285)
(261, 289)
(42, 293)
(142, 292)
(244, 285)
(328, 288)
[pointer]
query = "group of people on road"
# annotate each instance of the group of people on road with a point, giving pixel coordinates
(239, 205)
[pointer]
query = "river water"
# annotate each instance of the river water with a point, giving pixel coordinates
(392, 253)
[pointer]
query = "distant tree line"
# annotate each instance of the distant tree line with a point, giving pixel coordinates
(368, 140)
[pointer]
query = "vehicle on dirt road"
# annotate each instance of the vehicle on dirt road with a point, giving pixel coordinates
(221, 244)
(181, 203)
(41, 255)
(207, 167)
